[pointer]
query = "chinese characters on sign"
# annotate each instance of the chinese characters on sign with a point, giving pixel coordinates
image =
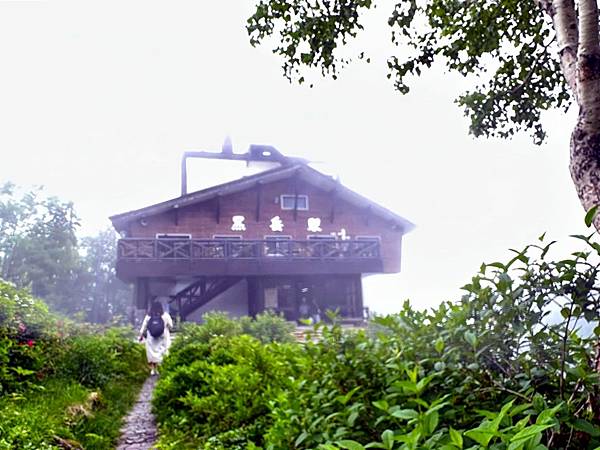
(238, 223)
(342, 235)
(314, 225)
(276, 224)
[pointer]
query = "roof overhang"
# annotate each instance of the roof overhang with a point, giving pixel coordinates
(302, 171)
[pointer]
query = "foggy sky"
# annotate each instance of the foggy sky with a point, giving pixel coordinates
(99, 100)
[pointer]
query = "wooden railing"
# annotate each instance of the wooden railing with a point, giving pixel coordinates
(190, 249)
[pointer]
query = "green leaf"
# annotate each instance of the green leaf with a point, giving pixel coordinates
(519, 439)
(481, 436)
(430, 422)
(387, 437)
(538, 402)
(344, 399)
(405, 386)
(547, 415)
(406, 414)
(586, 427)
(300, 439)
(484, 433)
(350, 445)
(22, 371)
(591, 215)
(422, 384)
(439, 345)
(456, 438)
(519, 409)
(381, 404)
(471, 338)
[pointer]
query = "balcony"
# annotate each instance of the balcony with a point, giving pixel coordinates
(137, 257)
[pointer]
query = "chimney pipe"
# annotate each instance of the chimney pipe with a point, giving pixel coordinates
(183, 174)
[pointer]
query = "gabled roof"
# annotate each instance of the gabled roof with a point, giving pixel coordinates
(300, 170)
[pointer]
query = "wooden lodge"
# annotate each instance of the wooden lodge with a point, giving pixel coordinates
(289, 239)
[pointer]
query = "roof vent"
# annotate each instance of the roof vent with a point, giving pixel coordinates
(227, 148)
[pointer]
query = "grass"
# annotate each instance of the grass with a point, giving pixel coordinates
(32, 420)
(63, 410)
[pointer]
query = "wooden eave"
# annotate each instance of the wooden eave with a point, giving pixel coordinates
(302, 171)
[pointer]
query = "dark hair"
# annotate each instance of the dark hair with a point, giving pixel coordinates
(156, 309)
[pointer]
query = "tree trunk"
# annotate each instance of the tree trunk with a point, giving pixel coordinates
(580, 32)
(585, 167)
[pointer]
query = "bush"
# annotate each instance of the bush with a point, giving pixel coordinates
(48, 368)
(25, 343)
(215, 324)
(268, 327)
(435, 379)
(93, 360)
(228, 389)
(508, 366)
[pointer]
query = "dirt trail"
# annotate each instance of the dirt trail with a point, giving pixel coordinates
(139, 430)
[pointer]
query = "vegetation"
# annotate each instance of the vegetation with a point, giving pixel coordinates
(62, 384)
(40, 251)
(527, 56)
(511, 366)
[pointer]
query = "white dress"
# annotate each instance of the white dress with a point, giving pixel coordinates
(156, 347)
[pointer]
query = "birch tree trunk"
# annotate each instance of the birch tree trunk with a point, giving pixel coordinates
(579, 51)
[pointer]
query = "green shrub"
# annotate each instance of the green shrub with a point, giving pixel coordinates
(51, 372)
(433, 379)
(26, 345)
(215, 324)
(93, 360)
(268, 327)
(230, 388)
(507, 367)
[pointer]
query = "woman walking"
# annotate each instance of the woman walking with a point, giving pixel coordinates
(156, 329)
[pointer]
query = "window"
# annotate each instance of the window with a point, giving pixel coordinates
(368, 238)
(287, 202)
(321, 237)
(173, 236)
(277, 237)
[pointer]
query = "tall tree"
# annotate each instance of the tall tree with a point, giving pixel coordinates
(39, 250)
(106, 298)
(38, 246)
(533, 54)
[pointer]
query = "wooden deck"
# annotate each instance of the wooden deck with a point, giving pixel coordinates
(190, 249)
(139, 257)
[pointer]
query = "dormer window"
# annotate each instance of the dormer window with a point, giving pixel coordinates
(288, 200)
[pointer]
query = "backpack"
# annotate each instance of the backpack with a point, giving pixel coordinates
(156, 326)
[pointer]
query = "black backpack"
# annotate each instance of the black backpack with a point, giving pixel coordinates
(156, 326)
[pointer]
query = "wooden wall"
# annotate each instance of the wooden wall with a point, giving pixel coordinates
(214, 217)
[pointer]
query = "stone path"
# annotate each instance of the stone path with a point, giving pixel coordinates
(139, 429)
